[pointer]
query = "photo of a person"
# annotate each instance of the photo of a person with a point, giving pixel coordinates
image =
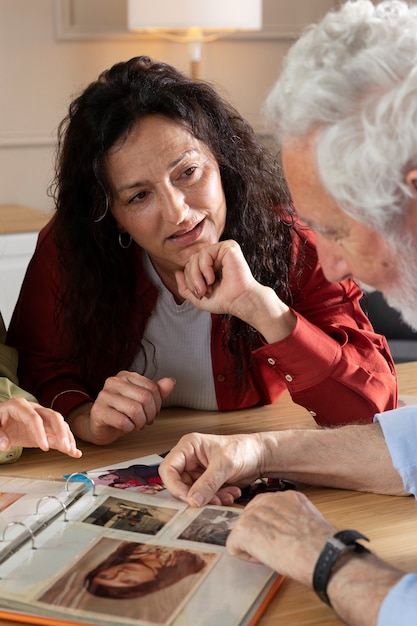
(126, 515)
(146, 583)
(134, 477)
(210, 526)
(137, 569)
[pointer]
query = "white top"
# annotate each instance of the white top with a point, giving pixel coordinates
(177, 344)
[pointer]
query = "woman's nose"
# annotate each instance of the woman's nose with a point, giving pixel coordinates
(173, 205)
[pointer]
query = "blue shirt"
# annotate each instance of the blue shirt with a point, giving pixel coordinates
(400, 431)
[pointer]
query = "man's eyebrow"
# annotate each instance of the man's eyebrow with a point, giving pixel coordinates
(307, 222)
(325, 230)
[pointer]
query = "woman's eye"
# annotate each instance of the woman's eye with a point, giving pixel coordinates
(138, 197)
(190, 170)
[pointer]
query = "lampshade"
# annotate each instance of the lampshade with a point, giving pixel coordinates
(208, 15)
(193, 21)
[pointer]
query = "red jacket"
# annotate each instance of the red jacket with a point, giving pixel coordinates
(333, 363)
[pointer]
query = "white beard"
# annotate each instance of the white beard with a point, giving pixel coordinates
(403, 296)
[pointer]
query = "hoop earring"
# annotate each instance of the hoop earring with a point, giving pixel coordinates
(106, 208)
(123, 245)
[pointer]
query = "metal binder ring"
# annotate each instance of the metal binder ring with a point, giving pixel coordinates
(20, 524)
(64, 508)
(85, 479)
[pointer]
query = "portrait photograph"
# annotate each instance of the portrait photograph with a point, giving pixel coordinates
(147, 583)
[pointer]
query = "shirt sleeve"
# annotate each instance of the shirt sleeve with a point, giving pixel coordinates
(400, 432)
(333, 363)
(36, 331)
(400, 601)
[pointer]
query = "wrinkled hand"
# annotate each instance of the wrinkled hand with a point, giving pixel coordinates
(127, 402)
(30, 425)
(283, 530)
(203, 469)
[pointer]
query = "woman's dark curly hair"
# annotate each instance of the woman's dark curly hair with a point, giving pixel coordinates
(186, 563)
(97, 274)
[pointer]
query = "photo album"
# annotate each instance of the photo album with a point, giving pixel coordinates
(111, 546)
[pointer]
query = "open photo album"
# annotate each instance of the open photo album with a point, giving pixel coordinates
(73, 551)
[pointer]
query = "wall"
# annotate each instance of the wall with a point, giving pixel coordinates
(45, 61)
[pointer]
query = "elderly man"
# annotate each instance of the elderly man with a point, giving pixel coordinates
(345, 114)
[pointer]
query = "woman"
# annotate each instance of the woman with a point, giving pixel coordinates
(136, 569)
(24, 422)
(174, 272)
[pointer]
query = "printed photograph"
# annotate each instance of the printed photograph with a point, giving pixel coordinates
(137, 581)
(134, 517)
(137, 477)
(210, 526)
(7, 499)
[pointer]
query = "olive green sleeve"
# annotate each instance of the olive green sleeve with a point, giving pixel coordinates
(9, 386)
(8, 370)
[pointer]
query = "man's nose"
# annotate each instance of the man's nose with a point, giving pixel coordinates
(332, 260)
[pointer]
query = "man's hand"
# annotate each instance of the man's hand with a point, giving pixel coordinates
(283, 530)
(203, 469)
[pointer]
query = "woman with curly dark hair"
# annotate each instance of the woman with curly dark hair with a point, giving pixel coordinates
(137, 569)
(174, 272)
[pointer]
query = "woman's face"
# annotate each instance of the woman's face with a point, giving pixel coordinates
(167, 192)
(129, 574)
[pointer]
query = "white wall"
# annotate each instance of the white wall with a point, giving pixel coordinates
(41, 73)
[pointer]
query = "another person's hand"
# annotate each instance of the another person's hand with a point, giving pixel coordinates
(127, 402)
(204, 469)
(30, 425)
(218, 279)
(283, 530)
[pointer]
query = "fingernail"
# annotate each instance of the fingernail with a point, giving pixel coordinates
(4, 443)
(197, 498)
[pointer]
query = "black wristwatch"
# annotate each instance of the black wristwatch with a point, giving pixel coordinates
(335, 545)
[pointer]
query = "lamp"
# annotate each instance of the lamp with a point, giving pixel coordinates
(193, 21)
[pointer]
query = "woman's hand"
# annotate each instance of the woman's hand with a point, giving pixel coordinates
(31, 425)
(218, 279)
(127, 402)
(203, 469)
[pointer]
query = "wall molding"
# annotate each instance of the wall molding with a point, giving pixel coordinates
(26, 140)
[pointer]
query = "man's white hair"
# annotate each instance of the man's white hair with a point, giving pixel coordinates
(352, 78)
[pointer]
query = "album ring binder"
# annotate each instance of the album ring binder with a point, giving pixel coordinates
(76, 552)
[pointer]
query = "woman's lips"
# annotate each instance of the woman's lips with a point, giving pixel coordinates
(188, 236)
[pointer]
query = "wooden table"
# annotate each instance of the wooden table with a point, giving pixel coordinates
(390, 522)
(16, 218)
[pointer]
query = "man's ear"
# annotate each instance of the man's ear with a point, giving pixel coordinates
(411, 180)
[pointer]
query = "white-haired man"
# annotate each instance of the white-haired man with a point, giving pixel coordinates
(345, 114)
